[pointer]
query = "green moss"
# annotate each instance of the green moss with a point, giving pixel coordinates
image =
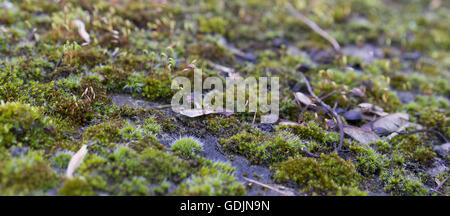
(436, 121)
(136, 186)
(130, 132)
(224, 127)
(61, 161)
(56, 88)
(103, 135)
(158, 88)
(26, 175)
(186, 147)
(76, 187)
(399, 182)
(328, 174)
(151, 126)
(312, 131)
(211, 181)
(24, 125)
(151, 166)
(382, 146)
(262, 148)
(412, 147)
(213, 25)
(368, 162)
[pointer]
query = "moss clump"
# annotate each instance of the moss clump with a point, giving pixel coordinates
(436, 121)
(210, 181)
(136, 186)
(103, 135)
(382, 146)
(130, 132)
(312, 131)
(413, 148)
(24, 125)
(213, 25)
(151, 166)
(151, 126)
(262, 148)
(368, 161)
(186, 147)
(61, 161)
(224, 127)
(26, 175)
(158, 88)
(76, 187)
(398, 182)
(326, 175)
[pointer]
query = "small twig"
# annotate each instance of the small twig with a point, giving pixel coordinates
(313, 26)
(161, 106)
(328, 95)
(439, 186)
(329, 110)
(267, 186)
(59, 61)
(300, 116)
(425, 131)
(309, 153)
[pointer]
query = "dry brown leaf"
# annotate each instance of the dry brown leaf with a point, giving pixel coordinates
(361, 135)
(76, 160)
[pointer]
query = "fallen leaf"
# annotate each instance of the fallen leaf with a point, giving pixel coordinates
(361, 135)
(370, 108)
(76, 160)
(302, 98)
(82, 31)
(287, 123)
(357, 92)
(200, 112)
